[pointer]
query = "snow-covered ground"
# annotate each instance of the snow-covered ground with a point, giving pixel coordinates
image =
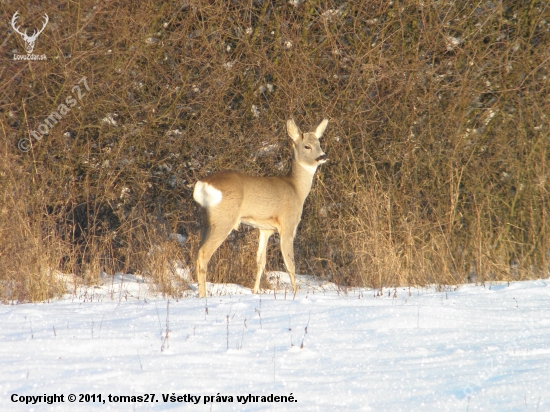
(470, 348)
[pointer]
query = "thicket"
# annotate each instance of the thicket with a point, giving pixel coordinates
(438, 137)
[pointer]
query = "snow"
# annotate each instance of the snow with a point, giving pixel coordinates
(467, 348)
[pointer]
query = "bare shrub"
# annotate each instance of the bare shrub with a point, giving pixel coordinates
(438, 140)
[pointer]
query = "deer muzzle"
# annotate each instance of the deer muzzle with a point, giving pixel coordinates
(322, 158)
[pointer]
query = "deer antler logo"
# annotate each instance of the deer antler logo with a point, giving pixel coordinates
(29, 40)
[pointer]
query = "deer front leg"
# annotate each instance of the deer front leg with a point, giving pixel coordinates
(287, 250)
(261, 257)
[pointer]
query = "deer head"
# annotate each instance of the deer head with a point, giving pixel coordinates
(29, 40)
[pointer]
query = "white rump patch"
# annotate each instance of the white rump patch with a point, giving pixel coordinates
(206, 195)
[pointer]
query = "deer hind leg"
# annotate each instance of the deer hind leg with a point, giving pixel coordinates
(214, 236)
(287, 250)
(265, 234)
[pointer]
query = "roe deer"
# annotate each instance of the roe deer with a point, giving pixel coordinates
(267, 203)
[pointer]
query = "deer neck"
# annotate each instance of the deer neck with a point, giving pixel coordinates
(302, 178)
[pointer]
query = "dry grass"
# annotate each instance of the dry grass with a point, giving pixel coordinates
(438, 137)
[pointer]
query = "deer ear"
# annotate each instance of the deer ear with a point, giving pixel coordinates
(321, 128)
(293, 130)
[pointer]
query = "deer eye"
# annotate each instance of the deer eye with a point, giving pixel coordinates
(308, 147)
